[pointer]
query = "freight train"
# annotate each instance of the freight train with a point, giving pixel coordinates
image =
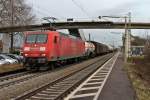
(42, 49)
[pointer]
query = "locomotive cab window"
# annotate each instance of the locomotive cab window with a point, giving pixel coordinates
(31, 38)
(41, 38)
(36, 38)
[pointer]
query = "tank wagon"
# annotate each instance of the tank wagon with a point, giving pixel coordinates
(89, 49)
(43, 48)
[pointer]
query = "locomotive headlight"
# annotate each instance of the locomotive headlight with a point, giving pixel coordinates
(26, 48)
(43, 54)
(26, 54)
(42, 48)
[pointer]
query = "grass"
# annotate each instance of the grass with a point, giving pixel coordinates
(8, 68)
(135, 58)
(140, 78)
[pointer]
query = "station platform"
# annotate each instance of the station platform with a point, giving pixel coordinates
(118, 85)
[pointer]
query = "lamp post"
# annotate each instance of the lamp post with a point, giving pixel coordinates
(129, 35)
(125, 35)
(125, 41)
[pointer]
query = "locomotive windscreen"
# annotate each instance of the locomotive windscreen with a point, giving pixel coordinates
(36, 38)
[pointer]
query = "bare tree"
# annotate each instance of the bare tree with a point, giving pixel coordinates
(15, 12)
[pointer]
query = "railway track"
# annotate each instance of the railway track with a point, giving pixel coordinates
(5, 74)
(12, 76)
(16, 79)
(24, 76)
(21, 77)
(62, 86)
(6, 81)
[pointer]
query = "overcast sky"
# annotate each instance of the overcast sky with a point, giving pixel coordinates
(85, 9)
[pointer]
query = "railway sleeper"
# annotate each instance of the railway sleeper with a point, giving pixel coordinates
(48, 92)
(40, 98)
(48, 95)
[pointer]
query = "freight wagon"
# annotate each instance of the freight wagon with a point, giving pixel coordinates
(100, 48)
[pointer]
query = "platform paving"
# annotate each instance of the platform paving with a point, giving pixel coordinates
(118, 85)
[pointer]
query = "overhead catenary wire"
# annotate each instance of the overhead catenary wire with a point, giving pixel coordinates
(81, 8)
(46, 11)
(41, 12)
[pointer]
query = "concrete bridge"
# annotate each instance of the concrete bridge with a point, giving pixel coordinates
(79, 25)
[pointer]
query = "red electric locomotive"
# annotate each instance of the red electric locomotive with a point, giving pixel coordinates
(44, 48)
